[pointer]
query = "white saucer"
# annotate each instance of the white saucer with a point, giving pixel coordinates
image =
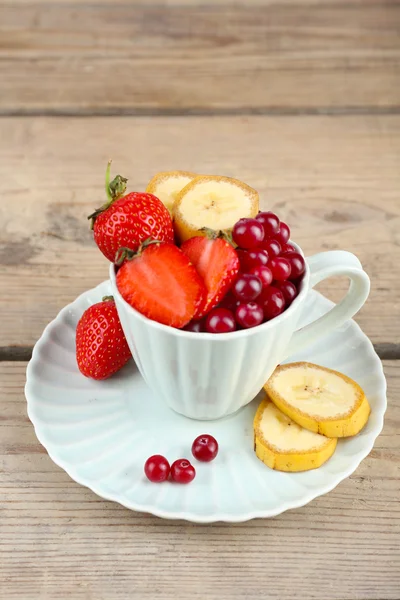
(101, 433)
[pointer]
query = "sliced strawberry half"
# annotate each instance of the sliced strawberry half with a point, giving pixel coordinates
(160, 282)
(217, 263)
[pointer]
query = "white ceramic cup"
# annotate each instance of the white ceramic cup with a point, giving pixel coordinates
(208, 376)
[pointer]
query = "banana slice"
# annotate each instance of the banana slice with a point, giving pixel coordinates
(283, 445)
(319, 399)
(168, 184)
(212, 202)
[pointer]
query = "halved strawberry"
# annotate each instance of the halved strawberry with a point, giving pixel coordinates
(160, 282)
(218, 264)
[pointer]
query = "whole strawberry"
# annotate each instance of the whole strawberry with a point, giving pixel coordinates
(126, 221)
(101, 347)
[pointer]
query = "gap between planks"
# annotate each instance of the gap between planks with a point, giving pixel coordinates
(385, 351)
(143, 111)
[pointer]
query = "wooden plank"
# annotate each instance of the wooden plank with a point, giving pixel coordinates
(130, 58)
(335, 180)
(197, 3)
(56, 535)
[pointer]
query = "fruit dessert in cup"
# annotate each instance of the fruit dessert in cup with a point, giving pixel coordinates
(209, 289)
(233, 275)
(207, 294)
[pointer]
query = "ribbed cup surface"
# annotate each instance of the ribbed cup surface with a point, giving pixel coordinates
(205, 376)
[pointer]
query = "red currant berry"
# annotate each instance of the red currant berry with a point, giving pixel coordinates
(270, 222)
(272, 246)
(272, 301)
(263, 273)
(280, 268)
(248, 233)
(297, 264)
(242, 256)
(220, 320)
(288, 289)
(249, 315)
(297, 282)
(283, 234)
(157, 468)
(205, 448)
(252, 258)
(229, 301)
(288, 248)
(182, 471)
(194, 326)
(247, 287)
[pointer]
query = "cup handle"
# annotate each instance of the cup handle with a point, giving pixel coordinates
(322, 266)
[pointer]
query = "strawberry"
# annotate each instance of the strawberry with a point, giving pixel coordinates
(160, 283)
(101, 347)
(216, 262)
(126, 221)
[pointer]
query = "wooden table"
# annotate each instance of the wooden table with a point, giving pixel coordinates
(301, 100)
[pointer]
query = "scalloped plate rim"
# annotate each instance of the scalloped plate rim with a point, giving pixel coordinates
(217, 516)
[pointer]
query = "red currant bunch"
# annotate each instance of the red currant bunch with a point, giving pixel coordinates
(270, 273)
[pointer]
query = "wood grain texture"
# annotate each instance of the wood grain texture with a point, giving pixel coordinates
(123, 57)
(59, 538)
(334, 180)
(197, 3)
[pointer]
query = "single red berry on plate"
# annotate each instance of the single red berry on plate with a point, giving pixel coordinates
(272, 246)
(263, 273)
(160, 282)
(288, 289)
(283, 234)
(248, 233)
(217, 263)
(126, 221)
(247, 287)
(194, 327)
(182, 471)
(272, 301)
(249, 315)
(270, 222)
(297, 264)
(220, 320)
(156, 468)
(101, 347)
(286, 248)
(205, 447)
(252, 258)
(280, 268)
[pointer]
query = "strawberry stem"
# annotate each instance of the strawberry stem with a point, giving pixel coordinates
(227, 236)
(107, 299)
(213, 234)
(107, 181)
(114, 190)
(124, 253)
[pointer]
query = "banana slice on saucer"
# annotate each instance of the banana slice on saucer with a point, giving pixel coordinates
(283, 445)
(319, 399)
